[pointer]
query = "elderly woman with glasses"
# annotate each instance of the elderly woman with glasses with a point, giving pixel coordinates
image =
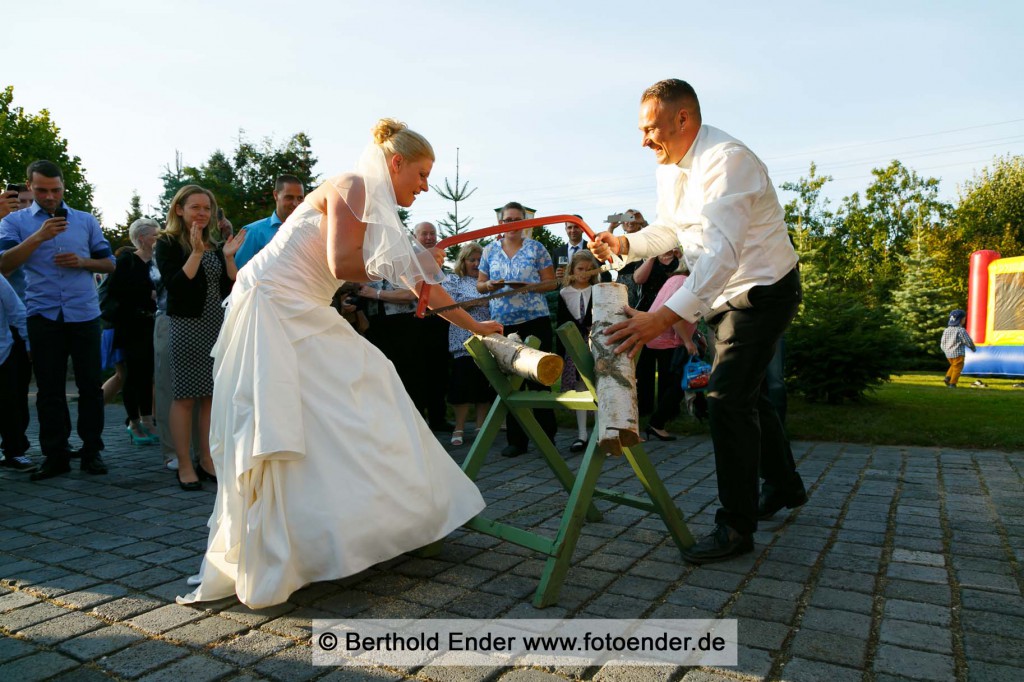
(131, 290)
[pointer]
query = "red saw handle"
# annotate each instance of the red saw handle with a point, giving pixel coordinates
(421, 307)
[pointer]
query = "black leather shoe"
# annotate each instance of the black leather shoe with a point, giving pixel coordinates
(513, 451)
(93, 464)
(190, 486)
(578, 445)
(721, 544)
(654, 435)
(771, 501)
(205, 475)
(50, 468)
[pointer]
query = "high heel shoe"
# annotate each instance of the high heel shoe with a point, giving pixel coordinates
(191, 486)
(150, 430)
(205, 475)
(654, 435)
(136, 439)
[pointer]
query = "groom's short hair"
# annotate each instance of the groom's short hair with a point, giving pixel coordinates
(673, 91)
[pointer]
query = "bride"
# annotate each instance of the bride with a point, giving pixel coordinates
(324, 467)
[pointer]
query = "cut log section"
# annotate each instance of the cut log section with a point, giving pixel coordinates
(617, 413)
(515, 357)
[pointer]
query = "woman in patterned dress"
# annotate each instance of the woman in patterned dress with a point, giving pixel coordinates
(467, 386)
(198, 275)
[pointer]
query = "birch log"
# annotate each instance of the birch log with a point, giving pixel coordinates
(617, 412)
(515, 357)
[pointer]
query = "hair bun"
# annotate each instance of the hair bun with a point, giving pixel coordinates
(387, 128)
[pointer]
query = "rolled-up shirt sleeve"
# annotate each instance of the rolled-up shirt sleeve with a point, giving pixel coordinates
(99, 247)
(731, 186)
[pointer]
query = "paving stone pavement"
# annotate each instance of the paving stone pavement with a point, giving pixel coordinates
(906, 564)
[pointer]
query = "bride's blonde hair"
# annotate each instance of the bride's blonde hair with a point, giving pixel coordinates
(394, 137)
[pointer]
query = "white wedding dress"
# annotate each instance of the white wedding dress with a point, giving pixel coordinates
(324, 467)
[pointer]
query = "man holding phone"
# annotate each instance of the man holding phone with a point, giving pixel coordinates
(9, 202)
(60, 249)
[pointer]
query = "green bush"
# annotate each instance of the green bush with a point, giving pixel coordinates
(839, 347)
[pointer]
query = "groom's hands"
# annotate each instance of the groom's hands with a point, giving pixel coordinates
(606, 245)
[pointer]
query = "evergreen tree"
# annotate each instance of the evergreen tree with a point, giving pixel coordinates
(173, 180)
(452, 225)
(118, 235)
(921, 304)
(243, 181)
(840, 347)
(842, 343)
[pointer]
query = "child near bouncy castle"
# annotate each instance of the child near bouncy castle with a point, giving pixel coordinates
(954, 340)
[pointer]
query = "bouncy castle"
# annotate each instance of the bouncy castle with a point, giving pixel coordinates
(995, 315)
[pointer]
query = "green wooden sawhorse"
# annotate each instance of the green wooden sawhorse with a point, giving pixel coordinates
(582, 487)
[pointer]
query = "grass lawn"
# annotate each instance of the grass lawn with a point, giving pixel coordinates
(918, 409)
(912, 409)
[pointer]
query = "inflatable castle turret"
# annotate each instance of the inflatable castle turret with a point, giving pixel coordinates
(995, 315)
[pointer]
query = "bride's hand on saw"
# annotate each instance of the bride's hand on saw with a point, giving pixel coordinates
(487, 328)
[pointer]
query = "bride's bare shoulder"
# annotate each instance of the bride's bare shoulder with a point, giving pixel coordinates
(346, 188)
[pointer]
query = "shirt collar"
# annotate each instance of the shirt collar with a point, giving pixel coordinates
(275, 220)
(35, 208)
(686, 163)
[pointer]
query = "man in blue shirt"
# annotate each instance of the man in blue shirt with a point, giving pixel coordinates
(59, 254)
(288, 194)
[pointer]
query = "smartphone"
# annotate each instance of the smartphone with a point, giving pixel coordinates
(61, 213)
(11, 187)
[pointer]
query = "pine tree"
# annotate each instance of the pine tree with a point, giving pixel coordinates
(921, 303)
(118, 235)
(452, 225)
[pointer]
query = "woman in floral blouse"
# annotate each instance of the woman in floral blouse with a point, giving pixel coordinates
(511, 262)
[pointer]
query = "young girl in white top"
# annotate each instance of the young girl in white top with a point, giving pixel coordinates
(575, 305)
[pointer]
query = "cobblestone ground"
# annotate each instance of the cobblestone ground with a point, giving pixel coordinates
(906, 563)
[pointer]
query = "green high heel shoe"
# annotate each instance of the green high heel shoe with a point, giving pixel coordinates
(137, 439)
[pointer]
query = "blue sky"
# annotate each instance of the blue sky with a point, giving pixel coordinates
(540, 97)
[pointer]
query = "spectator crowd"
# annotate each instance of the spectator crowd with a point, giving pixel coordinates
(149, 315)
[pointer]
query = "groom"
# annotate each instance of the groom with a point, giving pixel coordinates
(717, 203)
